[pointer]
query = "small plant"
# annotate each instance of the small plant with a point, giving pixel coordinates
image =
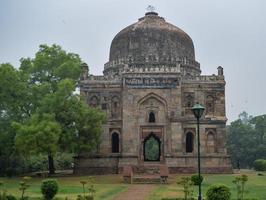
(187, 184)
(83, 186)
(196, 179)
(49, 188)
(218, 192)
(240, 185)
(91, 190)
(2, 191)
(23, 186)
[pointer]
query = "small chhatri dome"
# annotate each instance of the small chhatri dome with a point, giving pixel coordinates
(152, 41)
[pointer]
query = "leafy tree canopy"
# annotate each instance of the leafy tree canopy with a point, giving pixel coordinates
(39, 134)
(40, 102)
(246, 139)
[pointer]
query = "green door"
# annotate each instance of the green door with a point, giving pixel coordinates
(152, 149)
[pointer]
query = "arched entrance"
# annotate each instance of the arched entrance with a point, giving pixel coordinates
(152, 148)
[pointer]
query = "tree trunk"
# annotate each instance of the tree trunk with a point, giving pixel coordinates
(51, 164)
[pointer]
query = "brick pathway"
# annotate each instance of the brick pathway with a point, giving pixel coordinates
(136, 192)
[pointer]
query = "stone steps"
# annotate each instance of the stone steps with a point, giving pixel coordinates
(146, 179)
(146, 174)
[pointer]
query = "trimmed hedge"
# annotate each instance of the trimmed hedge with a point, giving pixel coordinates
(218, 192)
(49, 188)
(260, 165)
(196, 179)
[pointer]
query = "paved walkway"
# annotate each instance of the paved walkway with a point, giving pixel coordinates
(136, 192)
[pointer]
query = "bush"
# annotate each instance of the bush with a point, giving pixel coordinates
(49, 188)
(37, 163)
(63, 161)
(218, 192)
(196, 179)
(260, 165)
(10, 197)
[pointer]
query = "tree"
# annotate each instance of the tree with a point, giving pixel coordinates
(40, 96)
(13, 106)
(246, 139)
(40, 134)
(52, 78)
(81, 125)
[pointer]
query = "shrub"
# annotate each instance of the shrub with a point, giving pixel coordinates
(196, 179)
(49, 188)
(10, 197)
(63, 161)
(260, 165)
(218, 192)
(37, 163)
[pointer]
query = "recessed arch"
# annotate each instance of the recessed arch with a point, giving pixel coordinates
(210, 104)
(210, 142)
(152, 95)
(115, 106)
(94, 101)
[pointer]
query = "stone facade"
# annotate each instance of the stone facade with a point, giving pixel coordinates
(148, 88)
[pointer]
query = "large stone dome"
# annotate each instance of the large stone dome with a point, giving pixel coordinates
(151, 41)
(151, 35)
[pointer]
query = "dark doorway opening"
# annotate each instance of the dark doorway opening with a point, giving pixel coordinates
(115, 143)
(189, 142)
(152, 148)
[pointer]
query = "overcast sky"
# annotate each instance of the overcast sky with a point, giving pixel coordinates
(230, 33)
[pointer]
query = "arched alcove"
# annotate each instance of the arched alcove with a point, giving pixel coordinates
(210, 104)
(94, 101)
(115, 142)
(189, 142)
(210, 142)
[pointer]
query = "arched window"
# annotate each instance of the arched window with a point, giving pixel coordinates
(115, 143)
(210, 143)
(189, 142)
(151, 117)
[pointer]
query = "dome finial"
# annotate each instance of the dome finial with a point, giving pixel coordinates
(151, 11)
(150, 8)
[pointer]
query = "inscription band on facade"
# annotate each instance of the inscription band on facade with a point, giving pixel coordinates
(154, 82)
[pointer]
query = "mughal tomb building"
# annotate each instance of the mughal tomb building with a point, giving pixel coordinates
(147, 89)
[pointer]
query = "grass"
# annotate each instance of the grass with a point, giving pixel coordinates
(109, 186)
(255, 187)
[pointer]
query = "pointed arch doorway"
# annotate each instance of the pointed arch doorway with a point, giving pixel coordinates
(152, 148)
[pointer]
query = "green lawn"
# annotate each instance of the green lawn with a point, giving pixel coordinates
(108, 186)
(255, 187)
